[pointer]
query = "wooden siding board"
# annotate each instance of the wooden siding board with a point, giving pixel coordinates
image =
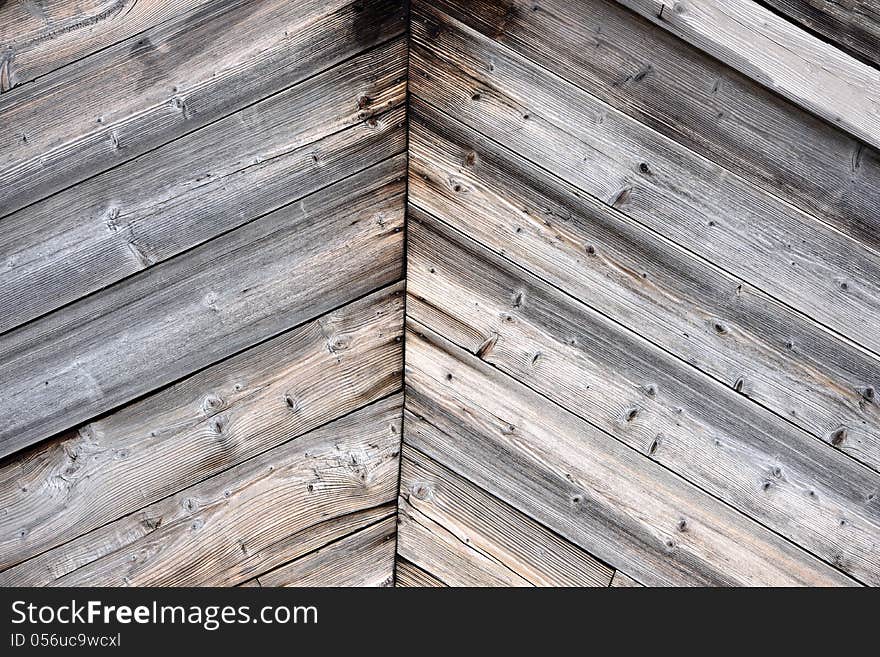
(200, 186)
(687, 95)
(494, 542)
(622, 581)
(36, 38)
(852, 26)
(611, 501)
(170, 80)
(766, 47)
(188, 313)
(145, 451)
(709, 211)
(364, 559)
(792, 483)
(214, 532)
(408, 575)
(766, 351)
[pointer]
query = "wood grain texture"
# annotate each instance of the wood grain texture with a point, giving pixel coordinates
(305, 542)
(715, 322)
(202, 185)
(704, 431)
(657, 182)
(687, 95)
(214, 533)
(852, 25)
(766, 47)
(363, 559)
(408, 575)
(206, 423)
(37, 37)
(477, 539)
(623, 581)
(170, 80)
(611, 501)
(187, 313)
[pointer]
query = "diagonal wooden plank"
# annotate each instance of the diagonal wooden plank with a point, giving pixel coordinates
(407, 574)
(218, 531)
(170, 80)
(188, 313)
(206, 423)
(611, 501)
(364, 558)
(491, 542)
(742, 454)
(763, 349)
(786, 59)
(202, 185)
(687, 95)
(695, 203)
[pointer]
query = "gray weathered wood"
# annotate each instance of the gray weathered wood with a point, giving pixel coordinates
(766, 47)
(654, 180)
(717, 323)
(853, 25)
(202, 425)
(215, 533)
(170, 80)
(408, 574)
(471, 538)
(687, 95)
(704, 431)
(39, 37)
(613, 502)
(364, 558)
(207, 183)
(622, 580)
(187, 313)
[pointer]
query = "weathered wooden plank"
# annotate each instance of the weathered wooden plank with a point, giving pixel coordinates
(496, 542)
(700, 429)
(217, 531)
(188, 313)
(365, 558)
(654, 180)
(715, 322)
(170, 80)
(611, 501)
(854, 26)
(683, 93)
(622, 580)
(207, 183)
(204, 424)
(39, 37)
(407, 574)
(766, 47)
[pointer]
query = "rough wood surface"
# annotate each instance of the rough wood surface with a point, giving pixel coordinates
(695, 203)
(769, 49)
(201, 426)
(364, 559)
(188, 313)
(207, 183)
(170, 80)
(477, 539)
(622, 581)
(852, 25)
(715, 322)
(39, 37)
(706, 432)
(217, 531)
(409, 575)
(689, 96)
(608, 499)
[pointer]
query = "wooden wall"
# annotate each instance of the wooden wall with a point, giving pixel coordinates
(201, 296)
(642, 303)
